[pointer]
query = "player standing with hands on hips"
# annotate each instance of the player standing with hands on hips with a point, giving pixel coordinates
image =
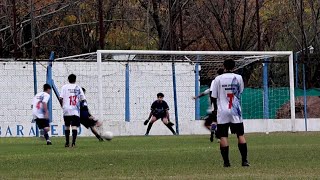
(70, 97)
(226, 93)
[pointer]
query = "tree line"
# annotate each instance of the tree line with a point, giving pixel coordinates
(33, 28)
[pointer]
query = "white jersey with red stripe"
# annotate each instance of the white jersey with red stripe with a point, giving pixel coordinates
(227, 89)
(37, 104)
(71, 94)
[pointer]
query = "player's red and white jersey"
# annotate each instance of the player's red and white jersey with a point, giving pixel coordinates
(37, 104)
(227, 89)
(71, 94)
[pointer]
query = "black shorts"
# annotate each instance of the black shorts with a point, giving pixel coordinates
(209, 119)
(42, 123)
(71, 120)
(159, 116)
(236, 128)
(86, 122)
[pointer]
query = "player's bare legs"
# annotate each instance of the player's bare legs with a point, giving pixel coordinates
(152, 120)
(242, 139)
(95, 132)
(98, 124)
(165, 121)
(242, 145)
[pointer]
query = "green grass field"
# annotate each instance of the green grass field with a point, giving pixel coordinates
(273, 156)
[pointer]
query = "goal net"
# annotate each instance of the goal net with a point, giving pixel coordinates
(121, 86)
(268, 100)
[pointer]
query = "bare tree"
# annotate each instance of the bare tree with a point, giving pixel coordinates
(58, 26)
(229, 24)
(168, 21)
(308, 32)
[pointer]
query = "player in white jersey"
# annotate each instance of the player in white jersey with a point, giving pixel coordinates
(40, 111)
(70, 97)
(210, 120)
(226, 92)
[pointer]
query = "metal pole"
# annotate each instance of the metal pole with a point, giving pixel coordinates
(35, 85)
(49, 81)
(305, 97)
(100, 88)
(266, 94)
(292, 98)
(297, 70)
(55, 90)
(175, 97)
(197, 89)
(127, 98)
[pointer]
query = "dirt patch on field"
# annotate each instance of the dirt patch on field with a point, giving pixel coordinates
(313, 108)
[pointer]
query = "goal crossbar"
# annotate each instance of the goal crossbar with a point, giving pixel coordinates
(149, 52)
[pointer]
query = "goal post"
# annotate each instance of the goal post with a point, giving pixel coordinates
(211, 57)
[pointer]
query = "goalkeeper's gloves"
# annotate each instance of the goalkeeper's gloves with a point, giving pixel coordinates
(146, 122)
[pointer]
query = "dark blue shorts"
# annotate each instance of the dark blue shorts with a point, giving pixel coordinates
(42, 123)
(85, 120)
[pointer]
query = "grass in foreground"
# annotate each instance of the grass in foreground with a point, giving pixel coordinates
(273, 156)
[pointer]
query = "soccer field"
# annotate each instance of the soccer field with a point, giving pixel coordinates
(273, 156)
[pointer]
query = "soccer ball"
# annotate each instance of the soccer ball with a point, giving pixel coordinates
(108, 135)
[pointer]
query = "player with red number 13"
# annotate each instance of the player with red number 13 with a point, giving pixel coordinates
(70, 97)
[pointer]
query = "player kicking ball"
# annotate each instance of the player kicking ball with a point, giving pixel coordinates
(40, 111)
(226, 92)
(211, 119)
(159, 110)
(87, 120)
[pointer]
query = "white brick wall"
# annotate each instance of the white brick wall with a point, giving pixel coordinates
(146, 80)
